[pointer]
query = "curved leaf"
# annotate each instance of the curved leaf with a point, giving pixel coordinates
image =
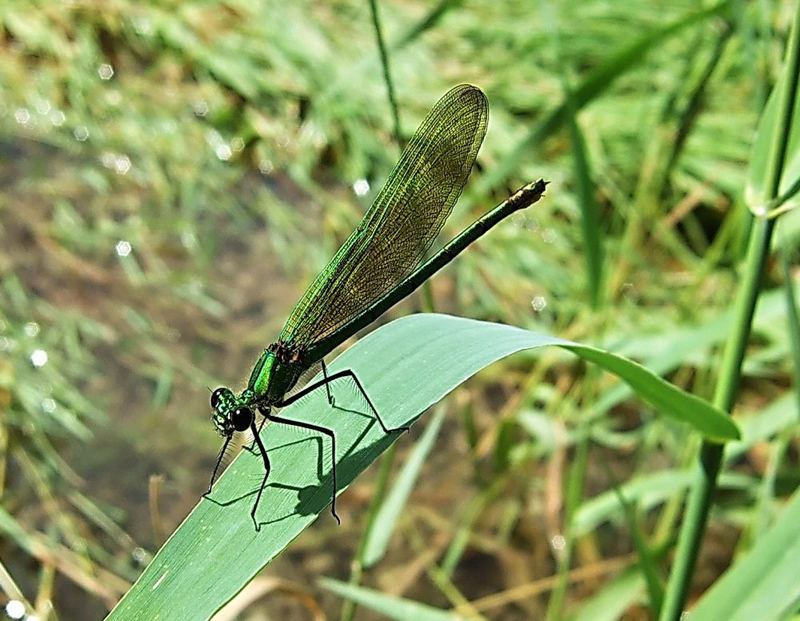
(406, 366)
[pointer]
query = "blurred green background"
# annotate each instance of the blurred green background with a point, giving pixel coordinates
(174, 173)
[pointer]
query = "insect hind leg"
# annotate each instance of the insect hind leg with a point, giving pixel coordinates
(328, 432)
(329, 379)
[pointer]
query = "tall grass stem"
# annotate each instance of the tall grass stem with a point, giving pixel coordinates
(700, 495)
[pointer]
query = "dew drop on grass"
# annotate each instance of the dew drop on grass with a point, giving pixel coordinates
(57, 118)
(22, 116)
(105, 71)
(123, 248)
(223, 152)
(539, 303)
(361, 187)
(39, 358)
(15, 609)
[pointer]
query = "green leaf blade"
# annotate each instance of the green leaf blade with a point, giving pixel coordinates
(763, 584)
(406, 367)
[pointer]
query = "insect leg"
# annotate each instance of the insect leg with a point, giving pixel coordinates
(216, 466)
(331, 400)
(327, 432)
(266, 472)
(329, 379)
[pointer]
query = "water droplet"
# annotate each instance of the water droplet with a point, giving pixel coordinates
(22, 116)
(39, 357)
(142, 25)
(530, 224)
(237, 144)
(122, 164)
(123, 248)
(31, 329)
(200, 108)
(139, 555)
(539, 303)
(319, 139)
(15, 609)
(629, 291)
(265, 167)
(49, 405)
(81, 133)
(105, 71)
(361, 187)
(57, 118)
(189, 239)
(558, 542)
(43, 106)
(223, 152)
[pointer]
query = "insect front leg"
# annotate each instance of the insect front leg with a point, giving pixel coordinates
(216, 466)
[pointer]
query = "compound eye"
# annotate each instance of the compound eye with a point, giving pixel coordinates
(241, 418)
(216, 396)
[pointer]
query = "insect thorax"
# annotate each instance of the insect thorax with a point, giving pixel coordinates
(276, 371)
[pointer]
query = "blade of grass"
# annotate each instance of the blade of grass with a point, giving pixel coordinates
(392, 506)
(216, 551)
(591, 233)
(793, 322)
(426, 23)
(759, 192)
(388, 605)
(613, 600)
(357, 566)
(591, 87)
(710, 459)
(387, 73)
(646, 559)
(573, 493)
(427, 292)
(470, 515)
(647, 491)
(763, 585)
(10, 588)
(652, 489)
(676, 118)
(590, 218)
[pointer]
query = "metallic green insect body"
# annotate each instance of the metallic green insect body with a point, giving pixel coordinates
(377, 266)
